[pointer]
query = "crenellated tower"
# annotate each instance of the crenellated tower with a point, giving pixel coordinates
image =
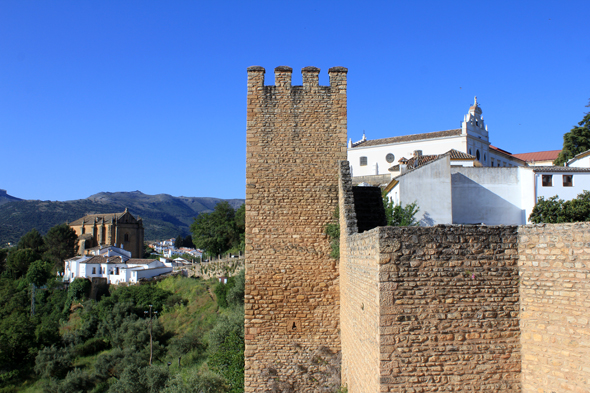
(295, 137)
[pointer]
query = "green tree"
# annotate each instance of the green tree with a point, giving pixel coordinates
(32, 240)
(576, 141)
(179, 241)
(18, 261)
(62, 243)
(79, 288)
(555, 210)
(38, 273)
(217, 232)
(398, 215)
(3, 254)
(188, 242)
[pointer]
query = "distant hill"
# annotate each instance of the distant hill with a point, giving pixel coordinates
(5, 198)
(164, 216)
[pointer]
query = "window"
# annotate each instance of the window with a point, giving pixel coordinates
(83, 230)
(568, 180)
(126, 237)
(492, 161)
(93, 270)
(363, 161)
(117, 271)
(484, 157)
(389, 158)
(547, 180)
(477, 154)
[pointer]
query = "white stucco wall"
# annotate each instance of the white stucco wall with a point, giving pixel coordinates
(583, 162)
(492, 196)
(581, 182)
(430, 187)
(378, 165)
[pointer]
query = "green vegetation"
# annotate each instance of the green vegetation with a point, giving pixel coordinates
(75, 344)
(398, 215)
(332, 229)
(555, 210)
(576, 141)
(54, 339)
(220, 231)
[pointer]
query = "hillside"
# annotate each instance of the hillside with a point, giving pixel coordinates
(5, 198)
(164, 216)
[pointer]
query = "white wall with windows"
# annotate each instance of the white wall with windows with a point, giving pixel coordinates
(566, 185)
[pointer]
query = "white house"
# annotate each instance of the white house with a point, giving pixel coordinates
(376, 157)
(449, 194)
(581, 160)
(115, 265)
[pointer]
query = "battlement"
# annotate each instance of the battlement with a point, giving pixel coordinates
(295, 137)
(283, 77)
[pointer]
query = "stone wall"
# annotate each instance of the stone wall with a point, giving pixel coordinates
(555, 307)
(427, 309)
(295, 137)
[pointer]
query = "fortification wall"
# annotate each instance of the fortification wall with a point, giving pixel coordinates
(295, 137)
(427, 308)
(555, 307)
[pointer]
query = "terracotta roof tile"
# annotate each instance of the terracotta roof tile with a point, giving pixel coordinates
(100, 217)
(538, 155)
(558, 169)
(408, 138)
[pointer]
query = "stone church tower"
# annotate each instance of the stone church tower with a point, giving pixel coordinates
(113, 229)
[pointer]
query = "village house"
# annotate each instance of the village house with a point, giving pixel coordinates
(116, 265)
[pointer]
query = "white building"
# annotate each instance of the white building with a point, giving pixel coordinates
(448, 194)
(114, 264)
(376, 157)
(581, 160)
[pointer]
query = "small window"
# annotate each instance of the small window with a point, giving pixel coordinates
(484, 157)
(477, 154)
(470, 152)
(363, 161)
(568, 180)
(547, 180)
(93, 270)
(389, 158)
(117, 271)
(126, 237)
(492, 161)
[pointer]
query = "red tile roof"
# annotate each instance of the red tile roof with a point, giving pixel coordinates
(549, 155)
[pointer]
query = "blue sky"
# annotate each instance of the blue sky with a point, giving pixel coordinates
(151, 95)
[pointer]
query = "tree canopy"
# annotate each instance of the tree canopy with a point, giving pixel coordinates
(32, 240)
(221, 230)
(576, 141)
(555, 210)
(62, 243)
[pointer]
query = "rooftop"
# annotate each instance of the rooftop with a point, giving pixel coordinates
(548, 155)
(407, 138)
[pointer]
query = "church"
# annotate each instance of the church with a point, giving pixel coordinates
(380, 157)
(113, 229)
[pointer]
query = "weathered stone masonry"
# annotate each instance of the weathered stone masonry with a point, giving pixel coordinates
(446, 308)
(428, 309)
(555, 307)
(295, 137)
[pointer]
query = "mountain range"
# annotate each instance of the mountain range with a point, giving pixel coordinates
(164, 216)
